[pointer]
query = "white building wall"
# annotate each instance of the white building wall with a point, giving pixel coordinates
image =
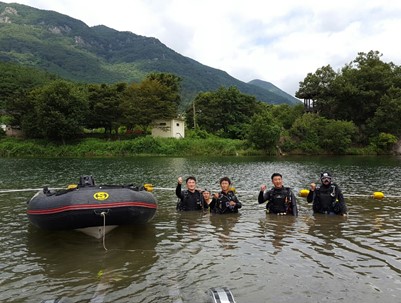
(178, 128)
(174, 128)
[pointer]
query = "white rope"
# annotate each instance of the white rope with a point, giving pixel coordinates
(212, 190)
(358, 195)
(257, 192)
(103, 214)
(163, 188)
(173, 189)
(27, 189)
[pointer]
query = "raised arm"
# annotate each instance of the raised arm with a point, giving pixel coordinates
(178, 188)
(261, 197)
(311, 194)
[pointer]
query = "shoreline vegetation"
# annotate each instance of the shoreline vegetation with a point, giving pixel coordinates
(351, 112)
(11, 147)
(142, 146)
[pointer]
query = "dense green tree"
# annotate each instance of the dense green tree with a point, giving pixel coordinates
(16, 81)
(384, 142)
(225, 112)
(286, 114)
(264, 131)
(360, 87)
(386, 119)
(336, 136)
(58, 112)
(104, 106)
(172, 86)
(305, 132)
(354, 93)
(318, 85)
(156, 97)
(361, 92)
(314, 133)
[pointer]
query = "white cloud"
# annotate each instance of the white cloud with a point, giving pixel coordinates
(252, 39)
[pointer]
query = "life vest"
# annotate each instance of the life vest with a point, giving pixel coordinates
(187, 202)
(223, 203)
(325, 200)
(280, 201)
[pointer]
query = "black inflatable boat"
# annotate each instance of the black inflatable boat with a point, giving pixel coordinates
(93, 209)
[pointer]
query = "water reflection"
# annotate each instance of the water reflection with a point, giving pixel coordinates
(223, 228)
(77, 267)
(278, 229)
(325, 228)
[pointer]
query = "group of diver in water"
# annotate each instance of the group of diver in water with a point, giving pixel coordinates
(326, 198)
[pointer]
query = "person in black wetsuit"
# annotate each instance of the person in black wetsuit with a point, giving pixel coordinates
(190, 198)
(225, 202)
(327, 198)
(281, 200)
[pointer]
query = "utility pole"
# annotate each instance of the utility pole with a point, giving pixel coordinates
(194, 112)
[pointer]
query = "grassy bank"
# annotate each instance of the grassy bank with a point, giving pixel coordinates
(13, 147)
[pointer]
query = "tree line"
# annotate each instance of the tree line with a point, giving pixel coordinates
(355, 108)
(366, 93)
(56, 109)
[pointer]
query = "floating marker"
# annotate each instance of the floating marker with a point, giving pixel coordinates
(378, 195)
(303, 192)
(148, 187)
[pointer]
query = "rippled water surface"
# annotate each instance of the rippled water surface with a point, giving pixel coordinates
(178, 256)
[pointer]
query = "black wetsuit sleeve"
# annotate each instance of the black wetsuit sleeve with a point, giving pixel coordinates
(340, 195)
(212, 204)
(341, 201)
(261, 197)
(178, 191)
(310, 196)
(294, 204)
(237, 202)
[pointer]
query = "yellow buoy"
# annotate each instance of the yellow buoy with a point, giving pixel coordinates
(148, 187)
(304, 192)
(378, 195)
(72, 186)
(100, 274)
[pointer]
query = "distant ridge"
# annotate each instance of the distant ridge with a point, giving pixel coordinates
(274, 89)
(70, 49)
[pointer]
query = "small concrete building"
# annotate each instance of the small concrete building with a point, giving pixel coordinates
(12, 131)
(174, 128)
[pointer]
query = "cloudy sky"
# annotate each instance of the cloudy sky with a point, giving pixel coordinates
(279, 42)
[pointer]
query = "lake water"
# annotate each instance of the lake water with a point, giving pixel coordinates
(179, 256)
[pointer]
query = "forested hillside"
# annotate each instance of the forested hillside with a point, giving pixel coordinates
(69, 48)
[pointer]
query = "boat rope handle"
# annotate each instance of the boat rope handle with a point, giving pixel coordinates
(103, 214)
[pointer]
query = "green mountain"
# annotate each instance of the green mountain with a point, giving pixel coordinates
(70, 49)
(274, 89)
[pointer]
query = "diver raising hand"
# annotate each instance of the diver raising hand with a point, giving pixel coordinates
(190, 198)
(281, 200)
(225, 201)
